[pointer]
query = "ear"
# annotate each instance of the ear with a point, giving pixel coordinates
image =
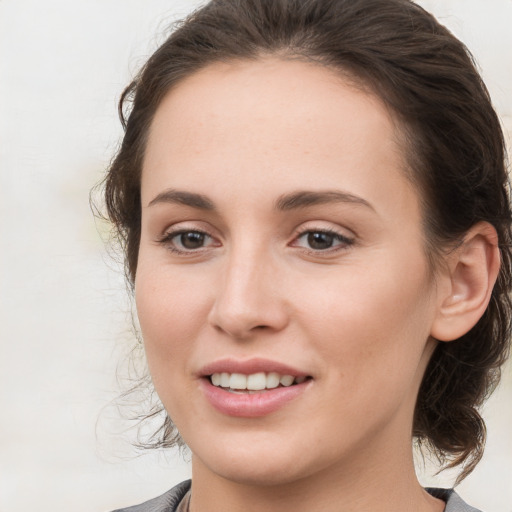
(465, 286)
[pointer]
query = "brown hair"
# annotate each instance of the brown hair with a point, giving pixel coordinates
(454, 145)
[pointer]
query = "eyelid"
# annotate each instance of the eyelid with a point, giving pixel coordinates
(347, 239)
(166, 238)
(324, 227)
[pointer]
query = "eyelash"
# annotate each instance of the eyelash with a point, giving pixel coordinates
(344, 242)
(167, 240)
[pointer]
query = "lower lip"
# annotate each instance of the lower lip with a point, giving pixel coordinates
(254, 405)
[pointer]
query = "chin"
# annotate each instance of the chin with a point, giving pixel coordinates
(259, 463)
(260, 473)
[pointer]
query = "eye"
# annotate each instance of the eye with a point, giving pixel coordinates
(322, 240)
(191, 239)
(186, 240)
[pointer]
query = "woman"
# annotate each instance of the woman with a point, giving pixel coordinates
(313, 202)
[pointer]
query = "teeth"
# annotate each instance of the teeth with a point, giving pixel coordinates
(257, 381)
(286, 380)
(224, 380)
(272, 380)
(254, 382)
(238, 381)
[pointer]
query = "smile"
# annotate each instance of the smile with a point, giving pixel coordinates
(253, 383)
(252, 388)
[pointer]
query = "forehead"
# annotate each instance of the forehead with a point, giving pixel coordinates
(251, 121)
(289, 94)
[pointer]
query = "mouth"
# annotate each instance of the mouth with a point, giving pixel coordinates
(252, 388)
(253, 383)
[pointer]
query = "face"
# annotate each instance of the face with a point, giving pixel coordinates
(282, 249)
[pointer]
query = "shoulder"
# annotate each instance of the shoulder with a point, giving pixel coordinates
(167, 502)
(454, 502)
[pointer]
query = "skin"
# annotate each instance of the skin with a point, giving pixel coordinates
(356, 317)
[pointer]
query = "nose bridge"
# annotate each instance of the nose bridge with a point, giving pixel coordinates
(247, 297)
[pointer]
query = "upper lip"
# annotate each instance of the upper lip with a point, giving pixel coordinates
(249, 366)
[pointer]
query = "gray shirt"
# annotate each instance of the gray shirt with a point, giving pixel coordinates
(171, 500)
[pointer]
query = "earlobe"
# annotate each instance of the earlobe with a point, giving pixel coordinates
(471, 272)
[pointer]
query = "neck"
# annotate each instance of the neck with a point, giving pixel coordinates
(358, 486)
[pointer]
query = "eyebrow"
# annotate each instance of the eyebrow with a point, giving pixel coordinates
(292, 201)
(303, 199)
(194, 200)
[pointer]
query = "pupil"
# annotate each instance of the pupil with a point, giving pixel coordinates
(320, 240)
(192, 240)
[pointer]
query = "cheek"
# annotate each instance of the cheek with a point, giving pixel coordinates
(371, 326)
(170, 309)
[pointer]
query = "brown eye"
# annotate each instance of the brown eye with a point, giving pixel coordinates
(320, 240)
(187, 241)
(191, 239)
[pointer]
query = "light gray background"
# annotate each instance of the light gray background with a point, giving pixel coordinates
(64, 324)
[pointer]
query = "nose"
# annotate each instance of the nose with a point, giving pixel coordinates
(249, 298)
